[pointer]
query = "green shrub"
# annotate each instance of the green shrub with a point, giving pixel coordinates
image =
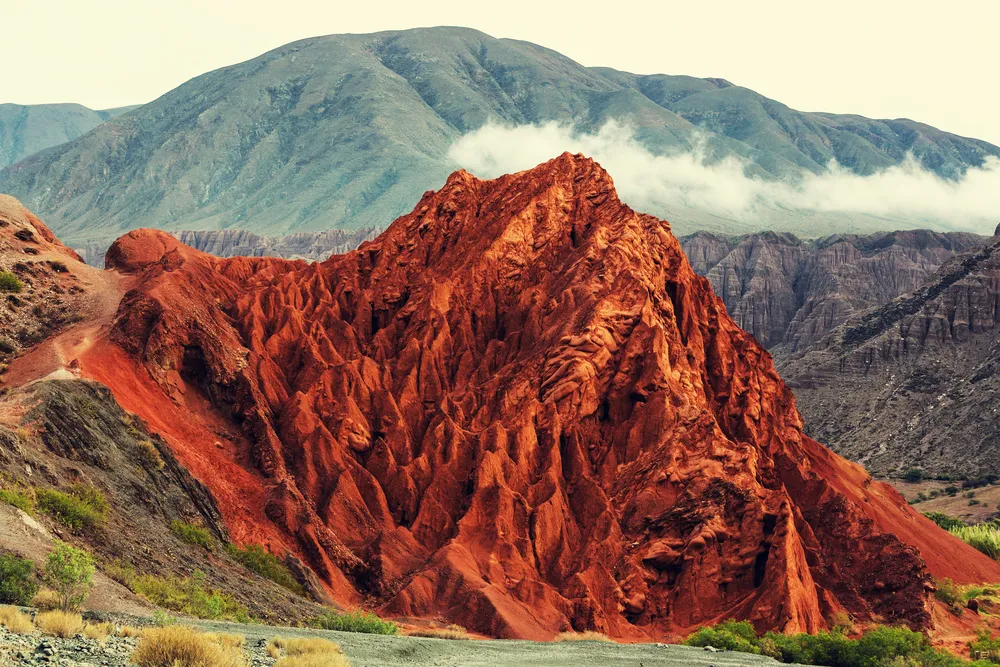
(150, 454)
(984, 646)
(355, 621)
(189, 595)
(254, 558)
(69, 571)
(984, 537)
(83, 507)
(945, 521)
(121, 572)
(17, 580)
(947, 592)
(19, 499)
(913, 475)
(878, 647)
(192, 534)
(10, 283)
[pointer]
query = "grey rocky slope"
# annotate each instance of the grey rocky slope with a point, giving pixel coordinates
(28, 129)
(241, 243)
(347, 131)
(790, 292)
(915, 382)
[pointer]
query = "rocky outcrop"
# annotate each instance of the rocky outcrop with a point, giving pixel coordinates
(913, 383)
(48, 293)
(66, 433)
(788, 292)
(521, 410)
(241, 243)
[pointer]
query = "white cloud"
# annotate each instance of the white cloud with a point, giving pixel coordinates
(906, 193)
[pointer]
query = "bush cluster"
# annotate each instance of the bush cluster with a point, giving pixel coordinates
(193, 534)
(84, 507)
(17, 580)
(945, 521)
(254, 558)
(10, 283)
(19, 498)
(189, 595)
(355, 621)
(875, 648)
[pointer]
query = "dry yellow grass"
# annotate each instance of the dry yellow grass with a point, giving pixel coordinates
(450, 632)
(227, 639)
(98, 631)
(129, 631)
(15, 620)
(46, 599)
(585, 636)
(314, 660)
(306, 652)
(59, 623)
(179, 646)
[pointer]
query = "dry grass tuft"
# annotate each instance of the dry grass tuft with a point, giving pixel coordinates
(227, 639)
(46, 599)
(129, 631)
(585, 636)
(63, 624)
(314, 660)
(179, 646)
(98, 631)
(15, 620)
(450, 632)
(306, 652)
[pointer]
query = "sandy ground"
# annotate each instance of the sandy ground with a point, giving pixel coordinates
(391, 651)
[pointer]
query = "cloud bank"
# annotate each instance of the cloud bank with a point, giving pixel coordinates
(907, 193)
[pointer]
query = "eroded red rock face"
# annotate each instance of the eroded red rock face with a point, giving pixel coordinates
(519, 409)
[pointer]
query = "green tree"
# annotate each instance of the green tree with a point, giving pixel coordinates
(69, 571)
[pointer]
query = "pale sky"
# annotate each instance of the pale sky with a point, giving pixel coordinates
(930, 61)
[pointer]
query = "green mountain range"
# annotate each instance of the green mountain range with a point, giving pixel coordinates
(347, 131)
(27, 129)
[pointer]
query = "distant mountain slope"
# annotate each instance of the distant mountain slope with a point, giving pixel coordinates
(27, 129)
(348, 130)
(239, 243)
(915, 382)
(789, 293)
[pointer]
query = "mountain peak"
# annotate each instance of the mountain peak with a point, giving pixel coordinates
(518, 409)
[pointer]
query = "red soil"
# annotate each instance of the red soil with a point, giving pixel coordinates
(518, 409)
(521, 410)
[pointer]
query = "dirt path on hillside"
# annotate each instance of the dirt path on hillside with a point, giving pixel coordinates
(103, 291)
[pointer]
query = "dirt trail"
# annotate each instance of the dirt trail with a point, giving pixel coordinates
(103, 291)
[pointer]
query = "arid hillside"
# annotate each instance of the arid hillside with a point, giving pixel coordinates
(518, 409)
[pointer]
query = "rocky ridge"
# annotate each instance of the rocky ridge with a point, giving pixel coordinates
(521, 410)
(790, 292)
(913, 383)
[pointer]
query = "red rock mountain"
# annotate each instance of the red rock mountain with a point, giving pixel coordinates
(518, 409)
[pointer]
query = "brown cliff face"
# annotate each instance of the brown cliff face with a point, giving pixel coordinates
(913, 383)
(518, 409)
(789, 293)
